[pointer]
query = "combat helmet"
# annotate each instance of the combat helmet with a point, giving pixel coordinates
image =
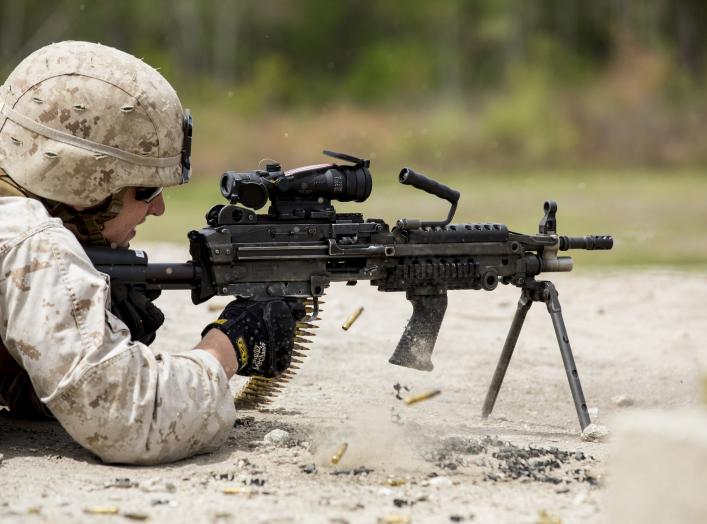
(80, 122)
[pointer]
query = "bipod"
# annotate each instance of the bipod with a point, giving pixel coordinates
(543, 291)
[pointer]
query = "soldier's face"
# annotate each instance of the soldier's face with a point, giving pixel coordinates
(120, 230)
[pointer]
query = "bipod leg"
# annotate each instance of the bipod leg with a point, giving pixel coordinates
(550, 297)
(524, 304)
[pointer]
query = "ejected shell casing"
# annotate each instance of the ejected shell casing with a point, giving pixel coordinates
(419, 397)
(394, 519)
(336, 457)
(101, 510)
(349, 321)
(216, 307)
(395, 482)
(310, 301)
(237, 490)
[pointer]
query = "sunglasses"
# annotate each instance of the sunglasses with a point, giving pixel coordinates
(147, 194)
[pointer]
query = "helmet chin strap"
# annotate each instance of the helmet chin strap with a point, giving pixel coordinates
(9, 187)
(87, 224)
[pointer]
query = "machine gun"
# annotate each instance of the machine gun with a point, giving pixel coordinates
(302, 244)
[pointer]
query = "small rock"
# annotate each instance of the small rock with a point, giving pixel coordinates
(158, 485)
(593, 412)
(123, 482)
(244, 421)
(623, 401)
(309, 468)
(595, 433)
(440, 482)
(228, 475)
(277, 437)
(456, 518)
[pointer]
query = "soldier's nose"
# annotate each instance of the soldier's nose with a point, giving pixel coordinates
(157, 206)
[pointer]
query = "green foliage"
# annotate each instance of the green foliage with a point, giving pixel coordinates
(363, 52)
(492, 82)
(527, 120)
(384, 71)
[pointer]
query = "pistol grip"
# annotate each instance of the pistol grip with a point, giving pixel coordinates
(418, 340)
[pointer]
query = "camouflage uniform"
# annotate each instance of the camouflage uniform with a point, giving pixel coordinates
(112, 395)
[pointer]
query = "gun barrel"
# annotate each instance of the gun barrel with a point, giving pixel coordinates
(589, 242)
(132, 267)
(154, 276)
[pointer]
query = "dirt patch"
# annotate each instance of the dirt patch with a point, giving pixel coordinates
(434, 461)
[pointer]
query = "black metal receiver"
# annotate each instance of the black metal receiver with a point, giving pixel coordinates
(302, 244)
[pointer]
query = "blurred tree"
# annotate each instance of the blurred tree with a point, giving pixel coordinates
(362, 51)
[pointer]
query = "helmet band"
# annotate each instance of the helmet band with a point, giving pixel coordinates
(99, 149)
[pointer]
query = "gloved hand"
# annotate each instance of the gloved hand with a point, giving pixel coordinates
(262, 333)
(136, 309)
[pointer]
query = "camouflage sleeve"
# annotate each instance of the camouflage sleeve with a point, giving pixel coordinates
(113, 396)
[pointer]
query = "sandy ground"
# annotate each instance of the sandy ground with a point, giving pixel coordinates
(633, 333)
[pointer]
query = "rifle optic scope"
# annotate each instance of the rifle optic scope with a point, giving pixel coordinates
(315, 183)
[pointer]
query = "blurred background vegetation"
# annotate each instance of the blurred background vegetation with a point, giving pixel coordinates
(599, 105)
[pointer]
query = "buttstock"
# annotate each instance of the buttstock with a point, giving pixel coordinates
(415, 347)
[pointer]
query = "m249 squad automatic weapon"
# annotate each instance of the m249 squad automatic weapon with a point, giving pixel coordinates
(302, 244)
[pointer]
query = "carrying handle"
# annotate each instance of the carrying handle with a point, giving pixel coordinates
(409, 177)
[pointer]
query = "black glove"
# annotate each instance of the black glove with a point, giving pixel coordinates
(17, 392)
(262, 334)
(136, 309)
